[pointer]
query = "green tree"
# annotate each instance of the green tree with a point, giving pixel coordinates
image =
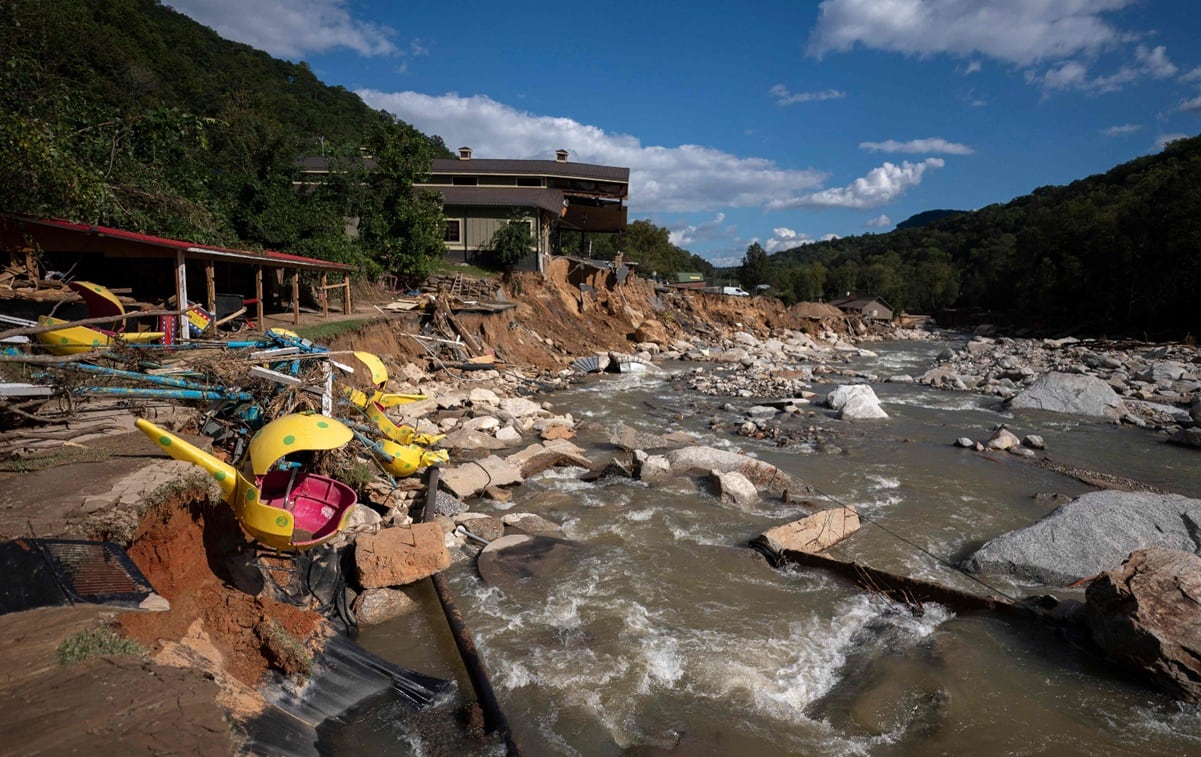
(510, 244)
(404, 228)
(754, 269)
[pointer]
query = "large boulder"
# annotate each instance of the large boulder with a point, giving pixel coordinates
(400, 556)
(1092, 533)
(855, 402)
(1072, 394)
(1144, 615)
(630, 438)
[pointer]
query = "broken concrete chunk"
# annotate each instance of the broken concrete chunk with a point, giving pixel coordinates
(538, 457)
(378, 605)
(471, 478)
(734, 488)
(534, 525)
(813, 533)
(400, 556)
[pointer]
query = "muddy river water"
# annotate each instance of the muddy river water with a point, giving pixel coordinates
(669, 636)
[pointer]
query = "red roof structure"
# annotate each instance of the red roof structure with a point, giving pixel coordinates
(59, 238)
(54, 234)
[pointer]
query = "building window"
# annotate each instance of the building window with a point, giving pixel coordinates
(453, 229)
(465, 181)
(529, 181)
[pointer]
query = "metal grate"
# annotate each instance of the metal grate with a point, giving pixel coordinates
(94, 571)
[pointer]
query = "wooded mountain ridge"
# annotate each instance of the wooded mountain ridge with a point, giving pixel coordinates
(1117, 253)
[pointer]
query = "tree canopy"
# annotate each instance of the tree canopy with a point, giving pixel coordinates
(1117, 253)
(126, 113)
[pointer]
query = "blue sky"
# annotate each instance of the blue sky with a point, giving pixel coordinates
(773, 122)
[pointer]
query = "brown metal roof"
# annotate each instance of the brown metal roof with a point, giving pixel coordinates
(565, 170)
(521, 197)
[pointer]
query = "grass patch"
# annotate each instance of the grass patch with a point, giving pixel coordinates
(97, 642)
(324, 331)
(470, 271)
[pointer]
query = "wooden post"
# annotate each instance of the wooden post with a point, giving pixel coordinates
(346, 293)
(258, 294)
(324, 295)
(296, 297)
(210, 281)
(181, 293)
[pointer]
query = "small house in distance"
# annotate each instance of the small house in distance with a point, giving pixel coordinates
(868, 308)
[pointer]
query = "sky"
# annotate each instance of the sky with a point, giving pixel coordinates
(778, 123)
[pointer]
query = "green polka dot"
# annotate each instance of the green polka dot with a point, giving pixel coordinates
(95, 342)
(251, 494)
(62, 340)
(164, 441)
(219, 475)
(322, 424)
(289, 439)
(281, 521)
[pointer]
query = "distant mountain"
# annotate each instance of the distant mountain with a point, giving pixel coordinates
(1115, 253)
(926, 218)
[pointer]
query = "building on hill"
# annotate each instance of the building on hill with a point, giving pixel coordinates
(480, 195)
(868, 308)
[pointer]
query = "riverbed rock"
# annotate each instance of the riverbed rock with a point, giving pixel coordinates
(654, 469)
(400, 556)
(1187, 437)
(734, 488)
(534, 525)
(520, 407)
(1072, 394)
(765, 476)
(855, 402)
(1092, 533)
(630, 438)
(379, 605)
(1144, 615)
(1003, 439)
(813, 533)
(548, 454)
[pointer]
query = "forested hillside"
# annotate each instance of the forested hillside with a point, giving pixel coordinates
(1116, 253)
(129, 114)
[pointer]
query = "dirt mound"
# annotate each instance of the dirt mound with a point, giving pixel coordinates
(196, 556)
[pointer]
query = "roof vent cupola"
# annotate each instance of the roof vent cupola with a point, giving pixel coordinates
(464, 153)
(561, 156)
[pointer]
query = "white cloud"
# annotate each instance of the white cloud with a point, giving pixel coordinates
(1117, 131)
(1192, 76)
(1072, 74)
(1163, 139)
(291, 28)
(880, 222)
(1023, 32)
(1026, 33)
(880, 186)
(932, 145)
(972, 68)
(784, 238)
(686, 178)
(785, 97)
(1191, 106)
(688, 234)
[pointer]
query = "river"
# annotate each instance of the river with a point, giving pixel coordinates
(669, 636)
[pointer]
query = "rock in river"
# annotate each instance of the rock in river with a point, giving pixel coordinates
(1092, 533)
(1144, 615)
(1071, 393)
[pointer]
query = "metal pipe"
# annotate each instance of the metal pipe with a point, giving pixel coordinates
(494, 718)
